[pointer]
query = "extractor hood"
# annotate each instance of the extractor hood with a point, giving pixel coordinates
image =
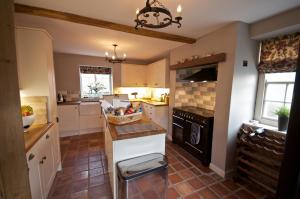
(204, 75)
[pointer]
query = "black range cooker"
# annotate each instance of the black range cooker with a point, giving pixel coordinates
(192, 130)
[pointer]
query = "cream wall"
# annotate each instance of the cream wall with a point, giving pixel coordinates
(223, 40)
(244, 86)
(67, 70)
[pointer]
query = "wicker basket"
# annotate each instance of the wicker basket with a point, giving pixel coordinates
(124, 119)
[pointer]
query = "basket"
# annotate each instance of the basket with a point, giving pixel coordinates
(124, 119)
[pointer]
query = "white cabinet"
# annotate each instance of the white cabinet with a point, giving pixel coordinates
(43, 161)
(158, 74)
(80, 119)
(68, 120)
(91, 119)
(153, 75)
(159, 114)
(35, 66)
(133, 75)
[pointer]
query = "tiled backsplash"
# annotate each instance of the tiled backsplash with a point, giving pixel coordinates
(200, 94)
(39, 106)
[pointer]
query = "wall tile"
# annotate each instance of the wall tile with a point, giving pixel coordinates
(198, 94)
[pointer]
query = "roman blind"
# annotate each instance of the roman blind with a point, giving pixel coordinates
(279, 54)
(95, 70)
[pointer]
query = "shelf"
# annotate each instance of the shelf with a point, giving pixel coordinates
(213, 59)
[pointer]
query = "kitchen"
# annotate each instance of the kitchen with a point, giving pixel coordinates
(194, 106)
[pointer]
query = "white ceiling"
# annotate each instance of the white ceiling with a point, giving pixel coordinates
(199, 17)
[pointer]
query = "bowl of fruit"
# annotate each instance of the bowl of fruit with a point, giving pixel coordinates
(27, 116)
(123, 115)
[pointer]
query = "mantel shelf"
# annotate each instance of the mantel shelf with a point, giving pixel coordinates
(213, 59)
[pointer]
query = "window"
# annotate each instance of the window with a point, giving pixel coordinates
(274, 91)
(95, 81)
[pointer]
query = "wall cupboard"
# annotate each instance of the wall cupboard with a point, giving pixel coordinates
(153, 75)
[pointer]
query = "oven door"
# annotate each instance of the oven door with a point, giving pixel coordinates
(197, 148)
(178, 130)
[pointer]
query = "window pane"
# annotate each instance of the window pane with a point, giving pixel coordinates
(95, 85)
(270, 108)
(289, 93)
(275, 92)
(86, 80)
(288, 105)
(280, 77)
(105, 81)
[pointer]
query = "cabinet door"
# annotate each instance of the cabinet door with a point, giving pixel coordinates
(47, 162)
(33, 162)
(133, 75)
(161, 115)
(68, 119)
(157, 74)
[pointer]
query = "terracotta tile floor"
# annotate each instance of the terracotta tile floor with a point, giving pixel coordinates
(84, 174)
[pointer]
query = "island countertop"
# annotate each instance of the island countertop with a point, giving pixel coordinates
(131, 130)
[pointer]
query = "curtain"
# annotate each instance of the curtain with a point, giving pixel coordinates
(95, 70)
(279, 54)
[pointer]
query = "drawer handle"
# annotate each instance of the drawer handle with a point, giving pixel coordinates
(47, 136)
(31, 156)
(41, 162)
(44, 158)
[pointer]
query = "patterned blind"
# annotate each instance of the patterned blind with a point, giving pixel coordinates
(95, 70)
(279, 54)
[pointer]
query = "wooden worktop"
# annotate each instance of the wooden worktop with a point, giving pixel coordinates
(151, 102)
(34, 133)
(132, 134)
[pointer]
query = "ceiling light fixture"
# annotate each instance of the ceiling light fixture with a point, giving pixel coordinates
(114, 58)
(156, 15)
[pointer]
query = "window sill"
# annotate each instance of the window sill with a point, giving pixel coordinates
(267, 127)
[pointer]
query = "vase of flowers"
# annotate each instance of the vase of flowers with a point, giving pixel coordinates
(96, 87)
(283, 114)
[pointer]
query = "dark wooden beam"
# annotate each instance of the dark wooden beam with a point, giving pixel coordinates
(213, 59)
(19, 8)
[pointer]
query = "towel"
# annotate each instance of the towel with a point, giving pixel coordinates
(195, 133)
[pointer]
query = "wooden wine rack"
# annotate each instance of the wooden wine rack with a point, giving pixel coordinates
(259, 157)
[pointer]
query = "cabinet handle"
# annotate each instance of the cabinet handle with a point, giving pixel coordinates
(44, 158)
(31, 156)
(41, 162)
(47, 136)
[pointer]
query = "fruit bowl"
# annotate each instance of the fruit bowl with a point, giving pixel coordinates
(27, 121)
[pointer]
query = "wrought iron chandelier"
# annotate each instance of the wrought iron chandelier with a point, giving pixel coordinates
(156, 15)
(114, 58)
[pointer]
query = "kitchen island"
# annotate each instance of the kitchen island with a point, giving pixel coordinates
(131, 140)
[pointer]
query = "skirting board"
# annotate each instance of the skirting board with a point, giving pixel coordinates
(221, 172)
(216, 169)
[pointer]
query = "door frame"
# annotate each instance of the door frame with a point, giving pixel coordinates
(14, 175)
(289, 180)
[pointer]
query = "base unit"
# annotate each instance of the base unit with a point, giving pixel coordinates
(43, 161)
(68, 120)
